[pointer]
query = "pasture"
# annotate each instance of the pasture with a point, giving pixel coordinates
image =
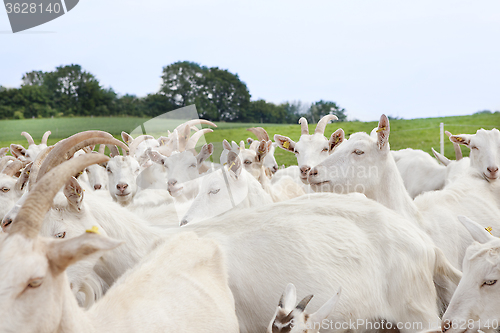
(414, 133)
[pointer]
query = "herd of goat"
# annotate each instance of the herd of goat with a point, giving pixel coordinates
(159, 239)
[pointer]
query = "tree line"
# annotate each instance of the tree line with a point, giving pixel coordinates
(218, 94)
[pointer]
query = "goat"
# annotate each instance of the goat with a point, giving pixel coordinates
(11, 188)
(293, 319)
(28, 155)
(311, 149)
(364, 164)
(475, 303)
(270, 164)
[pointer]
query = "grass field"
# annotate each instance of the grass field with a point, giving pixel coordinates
(415, 133)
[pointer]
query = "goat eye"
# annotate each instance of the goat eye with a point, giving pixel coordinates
(325, 149)
(214, 191)
(60, 234)
(296, 151)
(192, 166)
(247, 162)
(108, 170)
(358, 152)
(489, 282)
(474, 148)
(35, 283)
(5, 189)
(87, 170)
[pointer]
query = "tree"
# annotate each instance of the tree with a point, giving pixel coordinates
(322, 108)
(182, 82)
(263, 112)
(223, 96)
(33, 78)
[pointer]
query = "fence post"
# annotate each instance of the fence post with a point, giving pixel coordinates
(441, 134)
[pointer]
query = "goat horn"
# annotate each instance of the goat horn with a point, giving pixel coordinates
(12, 168)
(29, 138)
(320, 128)
(196, 136)
(456, 147)
(39, 200)
(45, 137)
(183, 135)
(302, 304)
(260, 133)
(64, 149)
(4, 160)
(102, 147)
(304, 129)
(3, 151)
(135, 143)
(195, 122)
(113, 150)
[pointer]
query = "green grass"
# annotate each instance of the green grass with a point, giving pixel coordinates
(415, 133)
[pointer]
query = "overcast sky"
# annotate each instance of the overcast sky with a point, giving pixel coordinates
(410, 59)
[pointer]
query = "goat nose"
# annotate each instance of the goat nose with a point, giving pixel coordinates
(97, 187)
(492, 169)
(305, 169)
(445, 325)
(6, 222)
(313, 172)
(121, 187)
(184, 222)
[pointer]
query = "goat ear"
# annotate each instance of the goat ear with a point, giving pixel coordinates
(18, 151)
(74, 193)
(127, 138)
(263, 149)
(336, 139)
(226, 145)
(62, 253)
(163, 140)
(250, 140)
(383, 132)
(325, 310)
(204, 153)
(4, 151)
(441, 158)
(155, 156)
(478, 232)
(289, 298)
(284, 142)
(463, 139)
(233, 164)
(24, 177)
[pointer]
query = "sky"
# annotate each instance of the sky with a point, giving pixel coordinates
(409, 59)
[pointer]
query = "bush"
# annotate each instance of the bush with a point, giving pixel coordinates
(18, 115)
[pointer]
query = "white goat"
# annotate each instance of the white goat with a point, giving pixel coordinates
(35, 288)
(475, 304)
(11, 188)
(292, 319)
(28, 155)
(270, 164)
(311, 149)
(364, 164)
(225, 189)
(420, 172)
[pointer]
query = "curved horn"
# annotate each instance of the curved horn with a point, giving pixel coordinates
(29, 138)
(260, 133)
(39, 199)
(196, 136)
(4, 160)
(302, 304)
(64, 149)
(320, 128)
(45, 137)
(135, 143)
(195, 122)
(183, 136)
(304, 129)
(456, 147)
(13, 168)
(102, 147)
(441, 158)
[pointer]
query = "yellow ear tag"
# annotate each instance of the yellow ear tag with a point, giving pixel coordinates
(286, 144)
(489, 230)
(459, 139)
(381, 129)
(93, 230)
(228, 169)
